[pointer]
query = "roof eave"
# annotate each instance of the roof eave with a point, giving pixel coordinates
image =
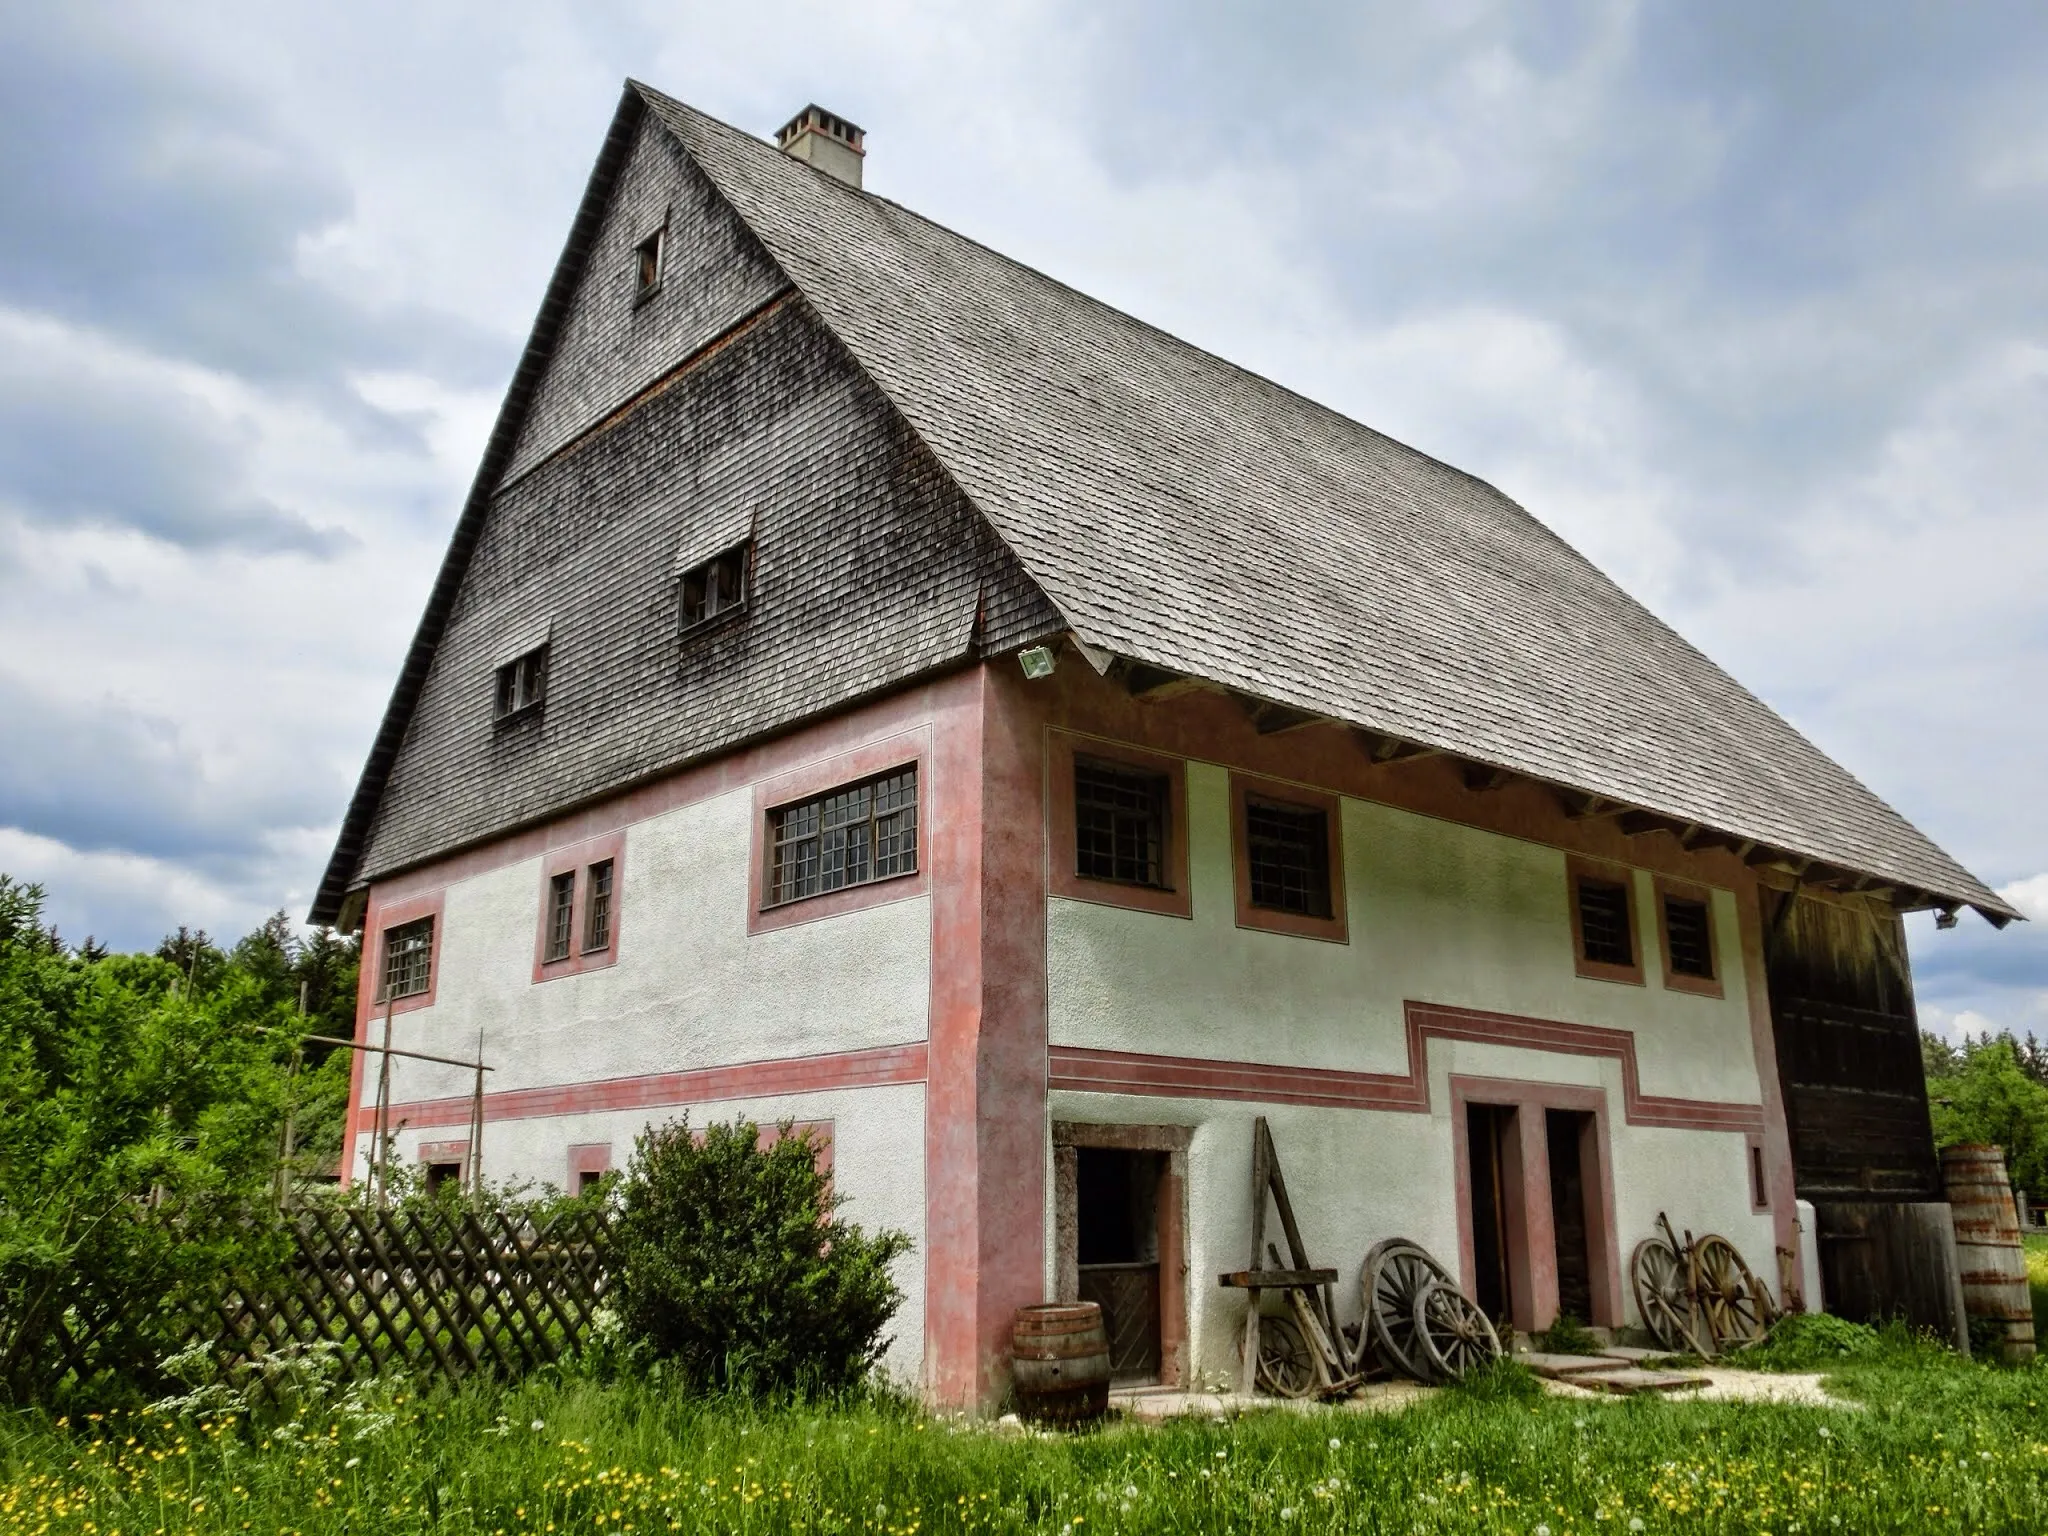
(1805, 868)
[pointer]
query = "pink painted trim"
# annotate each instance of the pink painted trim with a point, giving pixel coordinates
(396, 914)
(880, 1066)
(905, 750)
(445, 1152)
(1335, 928)
(1077, 1068)
(1698, 986)
(589, 1157)
(1061, 748)
(1532, 1246)
(384, 913)
(577, 859)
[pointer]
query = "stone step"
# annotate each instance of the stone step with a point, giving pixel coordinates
(1569, 1367)
(1629, 1380)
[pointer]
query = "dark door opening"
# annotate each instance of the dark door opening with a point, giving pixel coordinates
(1116, 1198)
(1488, 1131)
(1568, 1131)
(441, 1176)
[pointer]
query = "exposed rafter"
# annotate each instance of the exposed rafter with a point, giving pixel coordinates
(1390, 749)
(1483, 777)
(1270, 719)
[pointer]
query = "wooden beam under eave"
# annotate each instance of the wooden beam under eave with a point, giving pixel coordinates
(1389, 749)
(1141, 680)
(1270, 719)
(1637, 823)
(1482, 778)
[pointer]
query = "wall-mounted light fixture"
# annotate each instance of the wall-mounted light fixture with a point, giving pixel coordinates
(1038, 661)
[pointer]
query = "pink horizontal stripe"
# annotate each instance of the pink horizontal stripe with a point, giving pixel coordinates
(881, 1066)
(1192, 1077)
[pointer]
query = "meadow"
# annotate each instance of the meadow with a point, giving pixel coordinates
(1930, 1443)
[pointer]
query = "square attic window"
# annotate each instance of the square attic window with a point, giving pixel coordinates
(647, 264)
(715, 588)
(523, 683)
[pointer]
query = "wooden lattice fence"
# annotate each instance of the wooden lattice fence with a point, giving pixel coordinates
(437, 1289)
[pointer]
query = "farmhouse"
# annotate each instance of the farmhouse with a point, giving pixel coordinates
(873, 685)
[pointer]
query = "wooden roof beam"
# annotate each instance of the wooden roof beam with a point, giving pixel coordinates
(1482, 778)
(1270, 719)
(1389, 749)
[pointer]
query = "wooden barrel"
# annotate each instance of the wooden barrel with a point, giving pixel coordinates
(1059, 1362)
(1988, 1252)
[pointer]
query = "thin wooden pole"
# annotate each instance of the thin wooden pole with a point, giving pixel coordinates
(475, 1172)
(381, 1152)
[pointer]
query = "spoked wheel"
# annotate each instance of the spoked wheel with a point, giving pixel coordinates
(1734, 1307)
(1451, 1333)
(1389, 1284)
(1286, 1369)
(1661, 1300)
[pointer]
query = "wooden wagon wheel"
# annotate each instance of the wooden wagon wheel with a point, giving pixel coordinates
(1451, 1332)
(1389, 1281)
(1660, 1286)
(1286, 1368)
(1733, 1305)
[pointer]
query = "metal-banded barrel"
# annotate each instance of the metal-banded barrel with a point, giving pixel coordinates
(1059, 1362)
(1988, 1251)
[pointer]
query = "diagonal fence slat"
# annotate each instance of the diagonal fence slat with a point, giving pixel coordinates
(452, 1291)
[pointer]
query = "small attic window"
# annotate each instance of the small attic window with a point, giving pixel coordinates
(716, 588)
(523, 683)
(647, 264)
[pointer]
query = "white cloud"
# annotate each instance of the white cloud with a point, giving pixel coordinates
(2030, 896)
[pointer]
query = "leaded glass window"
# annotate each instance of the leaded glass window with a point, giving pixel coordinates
(852, 836)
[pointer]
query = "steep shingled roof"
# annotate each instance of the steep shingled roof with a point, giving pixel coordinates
(1186, 513)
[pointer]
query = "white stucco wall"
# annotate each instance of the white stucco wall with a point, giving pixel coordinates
(1439, 913)
(691, 989)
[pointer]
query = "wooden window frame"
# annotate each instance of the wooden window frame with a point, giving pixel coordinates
(577, 860)
(381, 920)
(893, 754)
(1676, 981)
(516, 672)
(645, 287)
(716, 618)
(1172, 1218)
(1176, 898)
(1334, 929)
(1577, 869)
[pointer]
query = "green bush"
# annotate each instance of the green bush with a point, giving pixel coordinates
(1806, 1341)
(734, 1272)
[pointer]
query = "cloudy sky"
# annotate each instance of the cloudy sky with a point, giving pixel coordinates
(1749, 301)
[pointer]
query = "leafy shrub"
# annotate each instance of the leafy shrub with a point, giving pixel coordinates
(1566, 1336)
(1805, 1341)
(734, 1272)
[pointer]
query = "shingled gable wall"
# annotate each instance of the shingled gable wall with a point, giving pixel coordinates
(719, 402)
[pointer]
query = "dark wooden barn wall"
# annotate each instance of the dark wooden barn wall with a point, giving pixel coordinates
(1849, 1053)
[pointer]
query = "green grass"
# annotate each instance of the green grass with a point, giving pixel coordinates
(1936, 1444)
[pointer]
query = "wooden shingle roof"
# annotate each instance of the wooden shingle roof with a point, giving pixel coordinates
(1187, 514)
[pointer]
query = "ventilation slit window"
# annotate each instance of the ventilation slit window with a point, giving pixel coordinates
(409, 959)
(1120, 824)
(523, 683)
(852, 836)
(598, 923)
(1287, 850)
(1692, 948)
(647, 264)
(1603, 923)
